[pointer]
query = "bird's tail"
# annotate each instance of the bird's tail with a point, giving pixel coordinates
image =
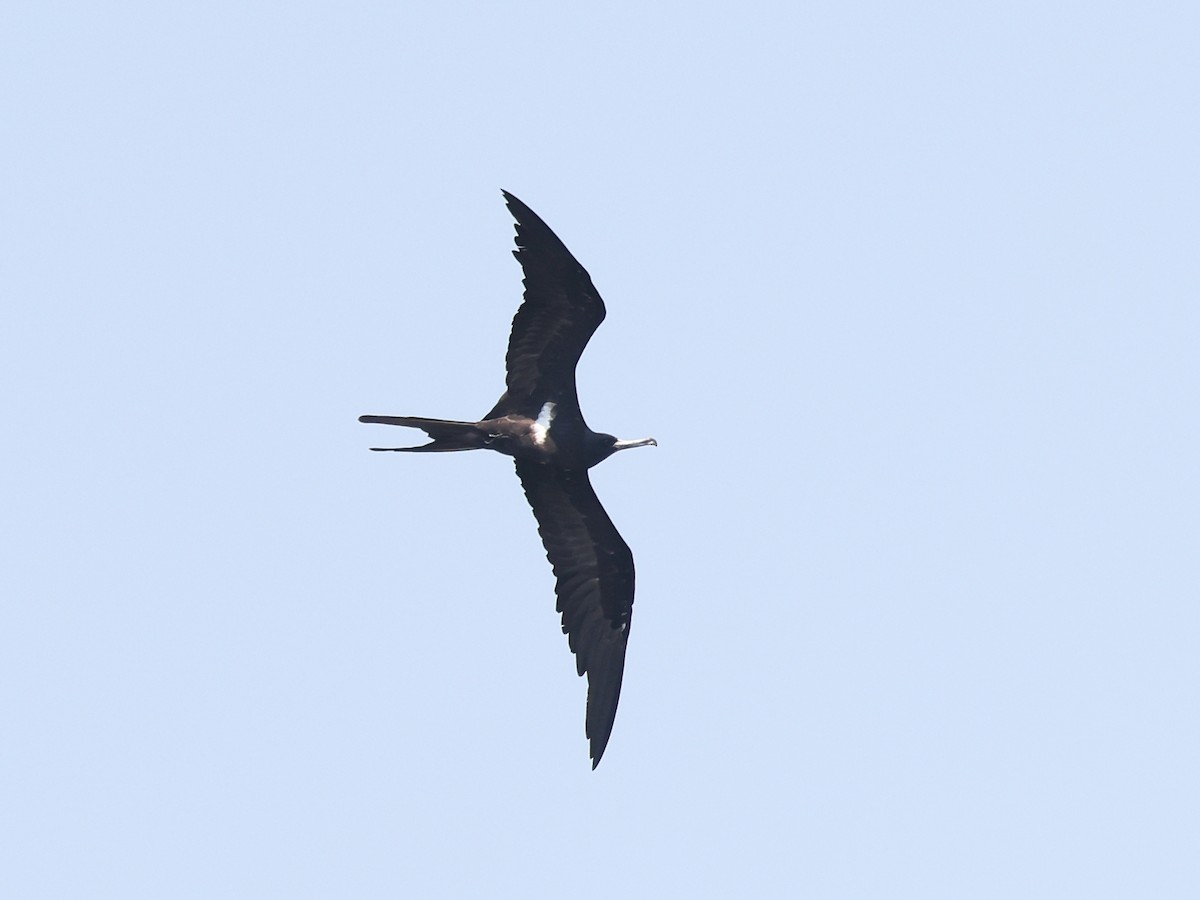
(447, 436)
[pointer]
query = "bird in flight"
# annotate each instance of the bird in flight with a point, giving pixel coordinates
(537, 421)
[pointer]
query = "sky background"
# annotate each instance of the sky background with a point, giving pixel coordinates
(909, 295)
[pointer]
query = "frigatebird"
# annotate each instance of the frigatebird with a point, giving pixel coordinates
(537, 421)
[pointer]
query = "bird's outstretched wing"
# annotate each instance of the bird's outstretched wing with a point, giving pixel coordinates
(561, 311)
(594, 572)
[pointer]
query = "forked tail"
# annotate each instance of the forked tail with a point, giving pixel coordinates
(447, 436)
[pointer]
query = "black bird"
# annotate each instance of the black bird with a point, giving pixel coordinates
(537, 421)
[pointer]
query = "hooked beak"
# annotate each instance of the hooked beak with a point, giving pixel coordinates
(644, 442)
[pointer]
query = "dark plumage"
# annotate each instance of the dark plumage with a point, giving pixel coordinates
(538, 422)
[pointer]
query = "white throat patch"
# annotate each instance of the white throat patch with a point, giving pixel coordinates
(541, 428)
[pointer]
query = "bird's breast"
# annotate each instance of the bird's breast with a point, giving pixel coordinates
(539, 431)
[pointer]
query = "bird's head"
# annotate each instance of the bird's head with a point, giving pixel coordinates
(605, 445)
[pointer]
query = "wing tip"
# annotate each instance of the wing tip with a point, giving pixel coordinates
(604, 696)
(514, 203)
(597, 746)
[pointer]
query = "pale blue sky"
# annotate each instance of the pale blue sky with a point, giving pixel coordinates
(908, 294)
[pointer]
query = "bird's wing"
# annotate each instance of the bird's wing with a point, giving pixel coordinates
(561, 311)
(594, 572)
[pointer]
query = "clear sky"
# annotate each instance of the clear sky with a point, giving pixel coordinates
(909, 295)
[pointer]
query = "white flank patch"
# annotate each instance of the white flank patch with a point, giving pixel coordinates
(541, 428)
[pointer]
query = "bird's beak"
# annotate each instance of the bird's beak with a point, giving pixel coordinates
(644, 442)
